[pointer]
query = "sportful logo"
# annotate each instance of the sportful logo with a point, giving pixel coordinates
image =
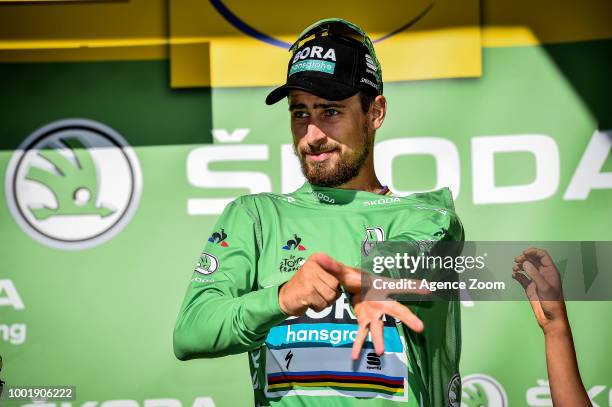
(219, 237)
(373, 361)
(73, 184)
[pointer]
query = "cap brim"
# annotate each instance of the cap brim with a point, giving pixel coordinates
(322, 87)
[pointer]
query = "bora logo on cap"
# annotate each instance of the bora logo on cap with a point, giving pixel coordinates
(315, 52)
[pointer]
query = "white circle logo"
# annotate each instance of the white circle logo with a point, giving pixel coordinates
(73, 184)
(479, 390)
(454, 390)
(207, 264)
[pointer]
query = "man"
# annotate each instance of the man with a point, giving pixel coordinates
(275, 273)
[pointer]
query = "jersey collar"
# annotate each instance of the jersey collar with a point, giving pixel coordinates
(336, 196)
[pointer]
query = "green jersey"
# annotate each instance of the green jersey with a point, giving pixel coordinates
(260, 241)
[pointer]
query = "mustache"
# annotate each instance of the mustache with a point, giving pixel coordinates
(318, 149)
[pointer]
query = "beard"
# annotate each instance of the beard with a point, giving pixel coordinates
(329, 173)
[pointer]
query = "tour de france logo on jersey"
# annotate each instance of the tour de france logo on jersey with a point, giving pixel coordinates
(73, 184)
(219, 238)
(482, 390)
(293, 262)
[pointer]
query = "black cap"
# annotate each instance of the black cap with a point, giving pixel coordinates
(330, 66)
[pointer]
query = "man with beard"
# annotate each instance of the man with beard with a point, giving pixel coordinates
(278, 276)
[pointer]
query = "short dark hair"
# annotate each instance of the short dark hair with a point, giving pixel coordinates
(366, 99)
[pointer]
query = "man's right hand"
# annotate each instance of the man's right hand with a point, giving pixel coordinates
(310, 287)
(316, 286)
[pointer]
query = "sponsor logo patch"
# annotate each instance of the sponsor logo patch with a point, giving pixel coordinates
(219, 238)
(321, 365)
(373, 235)
(382, 201)
(373, 361)
(483, 390)
(291, 264)
(322, 197)
(314, 52)
(313, 65)
(294, 243)
(454, 390)
(370, 62)
(369, 82)
(207, 264)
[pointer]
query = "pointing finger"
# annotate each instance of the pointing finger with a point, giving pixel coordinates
(349, 277)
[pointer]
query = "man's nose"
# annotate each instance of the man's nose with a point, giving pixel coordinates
(314, 135)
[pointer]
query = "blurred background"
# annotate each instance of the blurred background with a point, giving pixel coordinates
(127, 126)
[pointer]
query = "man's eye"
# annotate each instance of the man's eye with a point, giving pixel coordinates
(299, 114)
(331, 112)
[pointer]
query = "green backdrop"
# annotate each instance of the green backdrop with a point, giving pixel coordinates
(101, 318)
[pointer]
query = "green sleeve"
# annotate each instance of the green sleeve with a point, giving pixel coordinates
(221, 313)
(443, 330)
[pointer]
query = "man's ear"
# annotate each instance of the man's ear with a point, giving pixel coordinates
(378, 110)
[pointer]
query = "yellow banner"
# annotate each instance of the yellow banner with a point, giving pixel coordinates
(248, 41)
(238, 43)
